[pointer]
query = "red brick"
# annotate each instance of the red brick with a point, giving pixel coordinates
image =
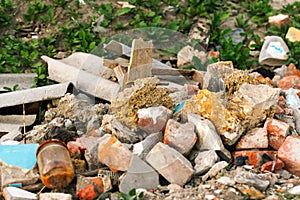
(289, 153)
(267, 167)
(254, 156)
(277, 131)
(288, 82)
(256, 138)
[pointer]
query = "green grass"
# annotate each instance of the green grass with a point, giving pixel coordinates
(20, 54)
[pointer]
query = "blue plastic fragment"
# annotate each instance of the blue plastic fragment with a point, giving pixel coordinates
(179, 107)
(22, 155)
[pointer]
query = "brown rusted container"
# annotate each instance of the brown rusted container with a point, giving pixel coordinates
(54, 163)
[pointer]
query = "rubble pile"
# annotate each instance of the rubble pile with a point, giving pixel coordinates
(227, 134)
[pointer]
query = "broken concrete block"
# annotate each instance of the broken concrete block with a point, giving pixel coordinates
(216, 168)
(55, 196)
(289, 153)
(225, 180)
(208, 137)
(14, 193)
(292, 99)
(255, 138)
(214, 77)
(113, 153)
(295, 190)
(204, 161)
(181, 137)
(279, 20)
(140, 65)
(274, 51)
(139, 175)
(143, 148)
(253, 157)
(259, 181)
(293, 34)
(277, 132)
(92, 187)
(252, 104)
(153, 119)
(168, 162)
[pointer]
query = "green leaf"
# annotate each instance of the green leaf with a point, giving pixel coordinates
(123, 11)
(34, 55)
(132, 192)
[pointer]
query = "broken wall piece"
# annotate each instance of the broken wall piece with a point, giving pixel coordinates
(140, 65)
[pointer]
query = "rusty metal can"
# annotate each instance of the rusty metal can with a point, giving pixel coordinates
(54, 163)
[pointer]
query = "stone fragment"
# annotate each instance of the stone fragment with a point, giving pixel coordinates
(295, 190)
(255, 138)
(277, 131)
(225, 180)
(208, 137)
(279, 20)
(237, 35)
(293, 34)
(55, 196)
(143, 148)
(153, 119)
(125, 134)
(253, 157)
(274, 51)
(251, 192)
(113, 153)
(13, 174)
(92, 187)
(186, 55)
(204, 161)
(252, 104)
(214, 77)
(216, 168)
(258, 181)
(289, 153)
(139, 175)
(181, 137)
(272, 166)
(14, 193)
(288, 82)
(291, 70)
(211, 107)
(91, 152)
(168, 162)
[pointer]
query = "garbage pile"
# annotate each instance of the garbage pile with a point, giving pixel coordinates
(136, 126)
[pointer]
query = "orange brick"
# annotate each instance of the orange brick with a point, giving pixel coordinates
(289, 153)
(288, 82)
(271, 166)
(277, 131)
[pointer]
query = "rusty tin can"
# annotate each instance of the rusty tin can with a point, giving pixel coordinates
(54, 163)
